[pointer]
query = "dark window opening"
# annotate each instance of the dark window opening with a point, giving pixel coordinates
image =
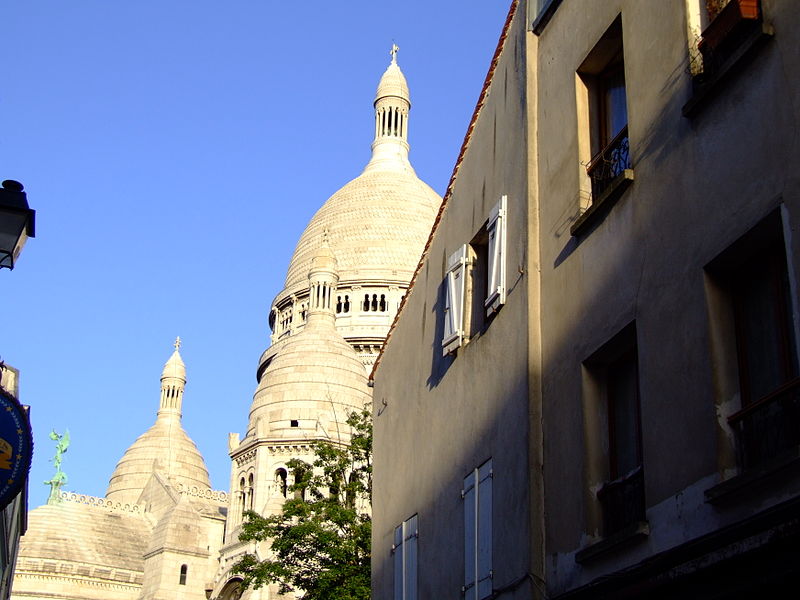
(382, 303)
(281, 478)
(616, 368)
(182, 579)
(478, 281)
(294, 423)
(754, 275)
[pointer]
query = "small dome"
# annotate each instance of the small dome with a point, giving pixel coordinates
(324, 259)
(393, 83)
(174, 367)
(165, 448)
(310, 387)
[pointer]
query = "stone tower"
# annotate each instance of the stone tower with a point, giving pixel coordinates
(350, 269)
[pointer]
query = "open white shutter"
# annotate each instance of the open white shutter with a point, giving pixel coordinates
(454, 300)
(470, 531)
(484, 542)
(496, 228)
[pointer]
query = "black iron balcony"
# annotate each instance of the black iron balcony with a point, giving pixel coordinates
(609, 163)
(766, 429)
(623, 502)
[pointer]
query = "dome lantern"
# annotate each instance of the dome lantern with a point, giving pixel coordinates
(392, 104)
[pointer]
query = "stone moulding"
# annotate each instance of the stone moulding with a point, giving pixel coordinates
(245, 458)
(100, 502)
(206, 493)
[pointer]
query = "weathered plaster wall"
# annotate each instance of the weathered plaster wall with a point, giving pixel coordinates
(699, 185)
(437, 418)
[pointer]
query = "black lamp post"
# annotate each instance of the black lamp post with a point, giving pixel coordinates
(16, 222)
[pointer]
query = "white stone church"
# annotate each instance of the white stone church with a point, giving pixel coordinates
(161, 532)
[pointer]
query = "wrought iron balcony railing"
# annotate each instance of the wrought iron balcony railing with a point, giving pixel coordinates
(622, 501)
(768, 428)
(609, 163)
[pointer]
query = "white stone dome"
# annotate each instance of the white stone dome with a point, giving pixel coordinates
(174, 367)
(166, 448)
(393, 83)
(378, 223)
(309, 388)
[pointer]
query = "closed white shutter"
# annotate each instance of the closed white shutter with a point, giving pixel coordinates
(496, 279)
(410, 552)
(470, 534)
(397, 549)
(484, 541)
(477, 494)
(454, 300)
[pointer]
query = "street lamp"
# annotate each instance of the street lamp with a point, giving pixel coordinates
(16, 222)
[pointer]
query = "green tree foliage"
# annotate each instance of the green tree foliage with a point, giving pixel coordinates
(321, 539)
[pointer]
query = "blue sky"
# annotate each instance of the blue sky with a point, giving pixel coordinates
(174, 152)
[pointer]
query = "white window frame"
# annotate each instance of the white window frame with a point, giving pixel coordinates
(496, 274)
(454, 282)
(477, 496)
(404, 551)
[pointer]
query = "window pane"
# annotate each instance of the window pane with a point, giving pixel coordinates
(615, 105)
(765, 336)
(623, 406)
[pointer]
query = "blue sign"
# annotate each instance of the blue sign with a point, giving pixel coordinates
(16, 448)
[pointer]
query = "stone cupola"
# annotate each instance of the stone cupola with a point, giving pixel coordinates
(165, 448)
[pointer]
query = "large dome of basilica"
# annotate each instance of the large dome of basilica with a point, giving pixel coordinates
(377, 223)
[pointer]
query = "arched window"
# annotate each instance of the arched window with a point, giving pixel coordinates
(281, 477)
(250, 485)
(242, 494)
(374, 302)
(366, 302)
(347, 304)
(382, 304)
(184, 570)
(338, 304)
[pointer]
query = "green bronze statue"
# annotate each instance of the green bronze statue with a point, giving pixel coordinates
(60, 478)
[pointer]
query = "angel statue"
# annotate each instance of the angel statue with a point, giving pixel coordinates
(60, 478)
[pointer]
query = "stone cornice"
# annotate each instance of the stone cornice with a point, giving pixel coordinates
(104, 503)
(204, 493)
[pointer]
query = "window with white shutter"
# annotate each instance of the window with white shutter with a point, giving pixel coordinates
(496, 280)
(405, 560)
(454, 300)
(477, 494)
